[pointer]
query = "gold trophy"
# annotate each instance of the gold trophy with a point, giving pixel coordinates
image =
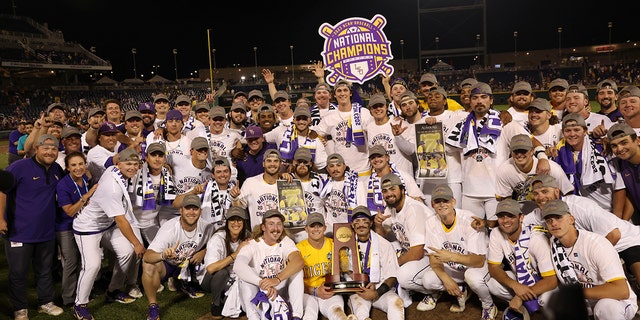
(345, 278)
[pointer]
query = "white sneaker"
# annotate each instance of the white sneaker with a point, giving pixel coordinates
(50, 309)
(462, 301)
(160, 288)
(171, 284)
(489, 313)
(135, 292)
(428, 302)
(22, 314)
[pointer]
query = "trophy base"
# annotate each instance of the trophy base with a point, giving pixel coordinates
(346, 287)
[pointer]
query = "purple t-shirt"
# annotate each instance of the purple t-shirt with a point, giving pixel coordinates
(68, 193)
(31, 203)
(13, 138)
(252, 165)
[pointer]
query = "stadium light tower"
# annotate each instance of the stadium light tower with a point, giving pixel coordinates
(559, 44)
(135, 71)
(293, 71)
(255, 62)
(175, 62)
(515, 43)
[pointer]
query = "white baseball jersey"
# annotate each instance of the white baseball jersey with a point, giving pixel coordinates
(186, 176)
(510, 180)
(336, 204)
(97, 161)
(276, 136)
(265, 260)
(382, 135)
(259, 197)
(176, 150)
(408, 225)
(539, 262)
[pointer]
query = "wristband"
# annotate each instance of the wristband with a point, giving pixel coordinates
(315, 292)
(382, 289)
(232, 258)
(540, 153)
(279, 280)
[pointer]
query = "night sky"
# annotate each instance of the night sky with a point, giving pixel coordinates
(154, 29)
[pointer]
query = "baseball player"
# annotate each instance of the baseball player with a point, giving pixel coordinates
(180, 242)
(456, 256)
(531, 277)
(95, 227)
(585, 258)
(270, 263)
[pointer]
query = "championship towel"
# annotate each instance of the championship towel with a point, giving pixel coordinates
(525, 273)
(348, 189)
(276, 309)
(215, 204)
(473, 133)
(587, 168)
(289, 144)
(142, 188)
(375, 202)
(563, 265)
(355, 134)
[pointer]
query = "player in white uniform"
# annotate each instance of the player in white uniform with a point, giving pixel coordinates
(100, 157)
(342, 192)
(192, 171)
(95, 227)
(180, 242)
(222, 251)
(176, 143)
(403, 221)
(531, 278)
(183, 104)
(316, 251)
(378, 261)
(379, 132)
(457, 256)
(270, 263)
(346, 127)
(260, 193)
(585, 258)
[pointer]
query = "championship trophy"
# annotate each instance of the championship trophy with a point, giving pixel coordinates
(346, 275)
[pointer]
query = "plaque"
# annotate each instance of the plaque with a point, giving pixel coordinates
(346, 275)
(432, 163)
(291, 204)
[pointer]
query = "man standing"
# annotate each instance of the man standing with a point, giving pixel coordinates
(14, 136)
(180, 242)
(585, 258)
(27, 221)
(531, 277)
(270, 264)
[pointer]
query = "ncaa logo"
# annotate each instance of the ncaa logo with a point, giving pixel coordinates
(356, 49)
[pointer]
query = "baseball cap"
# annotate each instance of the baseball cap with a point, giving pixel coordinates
(335, 157)
(69, 131)
(58, 123)
(271, 152)
(360, 212)
(183, 98)
(377, 99)
(618, 130)
(399, 81)
(191, 200)
(265, 108)
(255, 94)
(42, 141)
(199, 143)
(253, 132)
(303, 102)
(468, 82)
(508, 206)
(108, 128)
(576, 117)
(301, 111)
(578, 88)
(430, 77)
(377, 150)
(546, 181)
(555, 207)
(521, 314)
(160, 96)
(131, 114)
(520, 142)
(240, 93)
(273, 213)
(442, 192)
(281, 94)
(302, 154)
(607, 83)
(315, 217)
(146, 107)
(55, 105)
(235, 211)
(522, 86)
(95, 111)
(128, 154)
(541, 104)
(439, 90)
(323, 86)
(390, 179)
(221, 161)
(156, 147)
(173, 115)
(407, 96)
(238, 105)
(342, 82)
(203, 105)
(559, 82)
(217, 112)
(481, 88)
(630, 91)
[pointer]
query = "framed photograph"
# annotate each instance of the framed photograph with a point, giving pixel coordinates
(291, 203)
(432, 163)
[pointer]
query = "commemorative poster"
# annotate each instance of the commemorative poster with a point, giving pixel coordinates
(291, 203)
(432, 163)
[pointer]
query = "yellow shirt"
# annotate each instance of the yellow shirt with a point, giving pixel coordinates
(317, 263)
(451, 105)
